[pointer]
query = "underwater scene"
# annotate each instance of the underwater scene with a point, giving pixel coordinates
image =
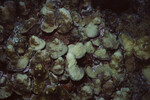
(74, 49)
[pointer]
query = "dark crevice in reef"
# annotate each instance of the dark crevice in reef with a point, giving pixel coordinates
(117, 6)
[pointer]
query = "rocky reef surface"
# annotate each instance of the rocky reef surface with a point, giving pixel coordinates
(74, 50)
